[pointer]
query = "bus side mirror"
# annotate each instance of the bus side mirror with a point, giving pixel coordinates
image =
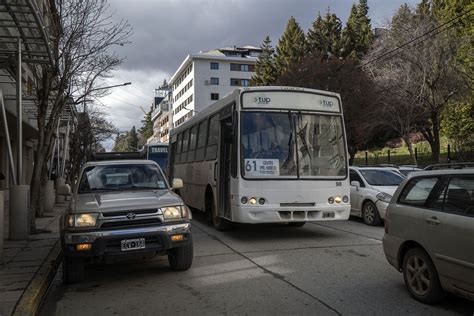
(177, 183)
(356, 184)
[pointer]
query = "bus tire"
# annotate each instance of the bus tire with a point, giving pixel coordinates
(220, 223)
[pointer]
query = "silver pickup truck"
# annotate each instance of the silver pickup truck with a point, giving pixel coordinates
(122, 209)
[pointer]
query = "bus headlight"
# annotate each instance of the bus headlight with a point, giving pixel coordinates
(244, 200)
(261, 201)
(337, 199)
(345, 199)
(331, 200)
(252, 201)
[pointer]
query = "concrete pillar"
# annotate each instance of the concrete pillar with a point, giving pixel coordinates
(2, 226)
(59, 182)
(19, 212)
(49, 196)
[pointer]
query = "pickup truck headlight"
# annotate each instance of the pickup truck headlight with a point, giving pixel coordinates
(82, 220)
(385, 197)
(175, 212)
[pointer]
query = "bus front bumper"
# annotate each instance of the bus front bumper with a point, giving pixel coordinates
(265, 214)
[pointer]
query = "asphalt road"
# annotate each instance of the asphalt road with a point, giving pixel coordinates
(330, 268)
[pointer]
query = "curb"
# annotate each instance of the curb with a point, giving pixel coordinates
(33, 295)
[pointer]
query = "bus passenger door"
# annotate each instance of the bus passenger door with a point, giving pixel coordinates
(223, 178)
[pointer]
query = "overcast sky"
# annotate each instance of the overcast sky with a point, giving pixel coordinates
(166, 31)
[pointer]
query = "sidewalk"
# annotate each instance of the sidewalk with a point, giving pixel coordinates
(27, 265)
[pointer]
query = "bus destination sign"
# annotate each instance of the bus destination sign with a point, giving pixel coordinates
(262, 167)
(304, 101)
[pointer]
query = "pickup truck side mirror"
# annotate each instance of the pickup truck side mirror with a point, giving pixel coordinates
(356, 184)
(177, 183)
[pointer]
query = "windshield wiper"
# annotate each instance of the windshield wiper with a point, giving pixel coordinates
(99, 190)
(142, 187)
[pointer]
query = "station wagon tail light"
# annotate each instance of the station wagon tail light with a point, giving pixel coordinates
(82, 220)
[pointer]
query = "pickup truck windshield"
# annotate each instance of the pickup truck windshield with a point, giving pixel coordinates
(121, 177)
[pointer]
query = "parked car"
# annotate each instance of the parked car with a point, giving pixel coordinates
(453, 165)
(371, 191)
(124, 209)
(429, 230)
(407, 169)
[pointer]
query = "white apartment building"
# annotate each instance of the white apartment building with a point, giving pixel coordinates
(161, 116)
(208, 76)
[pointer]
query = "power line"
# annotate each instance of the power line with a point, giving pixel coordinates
(417, 38)
(137, 106)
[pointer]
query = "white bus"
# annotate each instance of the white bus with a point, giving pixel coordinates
(265, 155)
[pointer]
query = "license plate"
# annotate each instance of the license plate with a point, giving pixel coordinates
(132, 244)
(329, 214)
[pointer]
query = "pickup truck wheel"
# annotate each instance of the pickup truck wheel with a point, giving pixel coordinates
(181, 258)
(73, 270)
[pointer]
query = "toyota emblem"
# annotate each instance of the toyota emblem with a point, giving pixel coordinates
(131, 216)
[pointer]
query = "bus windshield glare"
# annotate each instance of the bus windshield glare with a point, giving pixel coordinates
(292, 145)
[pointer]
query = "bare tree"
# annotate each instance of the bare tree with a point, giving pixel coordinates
(85, 36)
(92, 129)
(420, 79)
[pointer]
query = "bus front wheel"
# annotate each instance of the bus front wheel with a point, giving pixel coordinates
(220, 223)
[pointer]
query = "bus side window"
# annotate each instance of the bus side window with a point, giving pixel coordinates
(192, 143)
(201, 143)
(179, 142)
(184, 149)
(212, 138)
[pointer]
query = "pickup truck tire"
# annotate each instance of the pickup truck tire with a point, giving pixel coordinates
(181, 258)
(73, 270)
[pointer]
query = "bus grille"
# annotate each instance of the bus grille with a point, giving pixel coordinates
(297, 204)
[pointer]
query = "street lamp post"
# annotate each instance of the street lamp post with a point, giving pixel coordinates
(107, 87)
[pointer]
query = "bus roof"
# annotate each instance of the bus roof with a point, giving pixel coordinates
(220, 104)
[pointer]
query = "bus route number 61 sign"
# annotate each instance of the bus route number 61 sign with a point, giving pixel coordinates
(262, 167)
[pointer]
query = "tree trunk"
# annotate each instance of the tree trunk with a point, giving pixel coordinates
(435, 144)
(352, 153)
(407, 140)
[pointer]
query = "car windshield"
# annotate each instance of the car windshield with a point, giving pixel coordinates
(381, 177)
(121, 177)
(292, 145)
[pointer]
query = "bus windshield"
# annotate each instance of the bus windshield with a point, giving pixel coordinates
(279, 144)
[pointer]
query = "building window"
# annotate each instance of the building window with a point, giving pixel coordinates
(214, 66)
(245, 82)
(215, 81)
(242, 67)
(239, 82)
(234, 82)
(214, 96)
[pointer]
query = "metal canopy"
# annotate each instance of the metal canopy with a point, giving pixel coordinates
(23, 19)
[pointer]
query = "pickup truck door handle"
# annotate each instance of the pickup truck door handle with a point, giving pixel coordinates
(432, 221)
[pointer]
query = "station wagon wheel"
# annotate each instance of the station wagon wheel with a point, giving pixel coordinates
(370, 214)
(421, 277)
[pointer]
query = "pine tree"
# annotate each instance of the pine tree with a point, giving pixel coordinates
(324, 36)
(265, 72)
(349, 35)
(291, 47)
(315, 39)
(357, 36)
(133, 139)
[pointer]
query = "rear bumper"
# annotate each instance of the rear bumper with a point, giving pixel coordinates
(107, 243)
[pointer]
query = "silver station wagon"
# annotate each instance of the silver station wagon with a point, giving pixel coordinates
(124, 209)
(429, 233)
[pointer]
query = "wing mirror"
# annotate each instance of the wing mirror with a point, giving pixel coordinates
(356, 184)
(177, 183)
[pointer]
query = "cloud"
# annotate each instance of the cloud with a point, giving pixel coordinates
(165, 31)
